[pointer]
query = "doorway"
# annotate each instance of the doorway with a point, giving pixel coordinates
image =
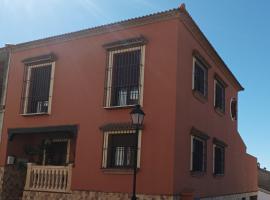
(56, 152)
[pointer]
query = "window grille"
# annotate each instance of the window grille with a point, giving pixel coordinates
(200, 77)
(219, 96)
(119, 149)
(123, 156)
(219, 158)
(124, 77)
(37, 88)
(198, 154)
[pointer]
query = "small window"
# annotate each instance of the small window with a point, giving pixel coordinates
(219, 158)
(234, 109)
(198, 156)
(219, 96)
(124, 77)
(200, 78)
(253, 197)
(119, 150)
(37, 92)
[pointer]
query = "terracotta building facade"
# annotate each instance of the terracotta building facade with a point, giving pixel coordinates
(67, 132)
(4, 60)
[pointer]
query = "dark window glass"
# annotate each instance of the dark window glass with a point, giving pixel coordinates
(200, 78)
(198, 155)
(56, 153)
(38, 91)
(253, 197)
(125, 78)
(219, 153)
(219, 96)
(234, 109)
(121, 149)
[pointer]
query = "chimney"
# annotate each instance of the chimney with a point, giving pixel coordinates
(182, 7)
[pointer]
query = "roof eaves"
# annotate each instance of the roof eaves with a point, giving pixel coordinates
(188, 21)
(122, 25)
(100, 29)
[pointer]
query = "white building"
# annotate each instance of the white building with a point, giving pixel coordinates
(263, 184)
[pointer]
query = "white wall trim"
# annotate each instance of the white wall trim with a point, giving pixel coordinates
(28, 77)
(110, 70)
(105, 145)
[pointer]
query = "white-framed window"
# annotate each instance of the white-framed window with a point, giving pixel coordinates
(219, 95)
(38, 89)
(124, 77)
(119, 149)
(233, 109)
(218, 159)
(198, 154)
(200, 77)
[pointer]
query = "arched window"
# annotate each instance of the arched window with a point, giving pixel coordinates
(234, 109)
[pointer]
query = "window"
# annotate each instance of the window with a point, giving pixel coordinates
(234, 109)
(124, 77)
(219, 96)
(37, 93)
(198, 156)
(56, 152)
(119, 149)
(200, 77)
(253, 197)
(219, 159)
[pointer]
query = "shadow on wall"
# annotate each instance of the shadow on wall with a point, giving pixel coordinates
(12, 180)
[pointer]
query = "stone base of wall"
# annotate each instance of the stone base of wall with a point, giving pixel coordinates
(12, 182)
(88, 195)
(232, 197)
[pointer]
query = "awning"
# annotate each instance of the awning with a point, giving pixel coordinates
(40, 59)
(126, 43)
(67, 130)
(118, 127)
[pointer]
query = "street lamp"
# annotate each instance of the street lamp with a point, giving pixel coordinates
(137, 116)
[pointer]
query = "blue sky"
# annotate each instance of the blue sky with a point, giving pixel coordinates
(238, 29)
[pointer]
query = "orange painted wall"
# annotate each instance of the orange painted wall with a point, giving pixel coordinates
(171, 111)
(240, 168)
(78, 99)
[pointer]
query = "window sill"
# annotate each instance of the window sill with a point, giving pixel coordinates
(33, 114)
(119, 107)
(220, 112)
(199, 96)
(118, 171)
(197, 173)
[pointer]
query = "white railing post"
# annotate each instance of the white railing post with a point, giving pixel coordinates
(69, 174)
(48, 178)
(28, 176)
